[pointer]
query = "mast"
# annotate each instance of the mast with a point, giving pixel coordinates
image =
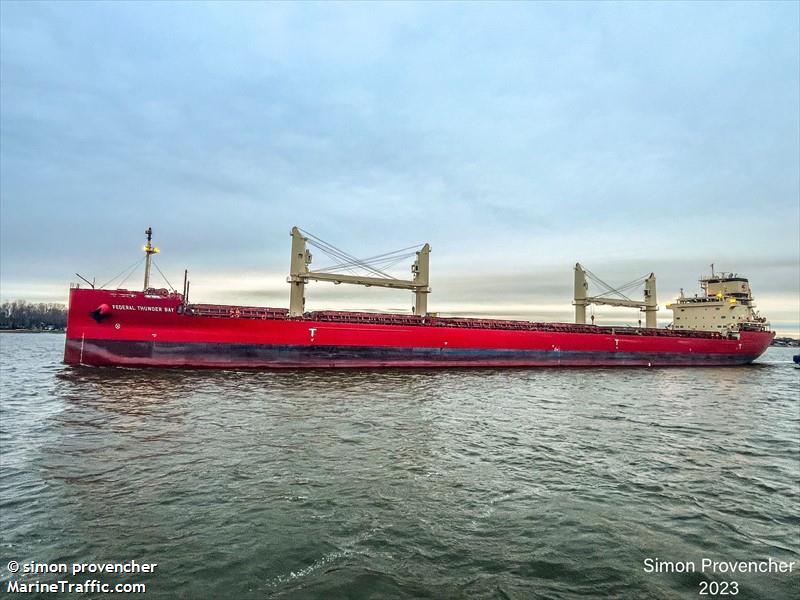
(650, 303)
(421, 271)
(301, 258)
(149, 250)
(581, 301)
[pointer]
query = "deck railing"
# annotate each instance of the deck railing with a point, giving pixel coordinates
(255, 312)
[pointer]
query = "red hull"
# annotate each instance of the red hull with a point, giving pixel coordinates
(137, 330)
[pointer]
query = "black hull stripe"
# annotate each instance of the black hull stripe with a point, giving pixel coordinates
(262, 355)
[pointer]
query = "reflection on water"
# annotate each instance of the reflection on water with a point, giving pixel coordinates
(477, 483)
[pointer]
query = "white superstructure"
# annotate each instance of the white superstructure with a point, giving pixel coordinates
(726, 304)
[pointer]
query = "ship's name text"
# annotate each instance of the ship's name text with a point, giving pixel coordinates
(143, 308)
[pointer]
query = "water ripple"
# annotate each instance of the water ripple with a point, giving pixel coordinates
(401, 484)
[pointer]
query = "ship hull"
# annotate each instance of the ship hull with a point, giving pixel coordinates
(138, 330)
(269, 356)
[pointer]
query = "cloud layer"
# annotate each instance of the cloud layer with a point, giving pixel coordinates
(516, 138)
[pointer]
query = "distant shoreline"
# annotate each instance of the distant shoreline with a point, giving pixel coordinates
(33, 330)
(785, 342)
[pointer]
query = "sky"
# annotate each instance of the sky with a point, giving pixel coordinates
(517, 139)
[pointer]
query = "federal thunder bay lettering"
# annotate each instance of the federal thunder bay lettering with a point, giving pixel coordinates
(710, 566)
(143, 308)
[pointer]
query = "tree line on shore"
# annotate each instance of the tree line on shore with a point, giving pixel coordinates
(20, 314)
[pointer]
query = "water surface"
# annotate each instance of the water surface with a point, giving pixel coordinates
(542, 483)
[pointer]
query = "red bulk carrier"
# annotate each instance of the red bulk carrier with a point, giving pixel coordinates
(159, 328)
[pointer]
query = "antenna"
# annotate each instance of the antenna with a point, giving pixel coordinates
(149, 250)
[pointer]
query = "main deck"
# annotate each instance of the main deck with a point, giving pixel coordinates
(254, 312)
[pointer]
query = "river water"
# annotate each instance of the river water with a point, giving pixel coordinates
(542, 483)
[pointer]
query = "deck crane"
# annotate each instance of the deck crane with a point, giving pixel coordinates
(648, 305)
(300, 274)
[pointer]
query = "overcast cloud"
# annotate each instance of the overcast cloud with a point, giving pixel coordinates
(516, 138)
